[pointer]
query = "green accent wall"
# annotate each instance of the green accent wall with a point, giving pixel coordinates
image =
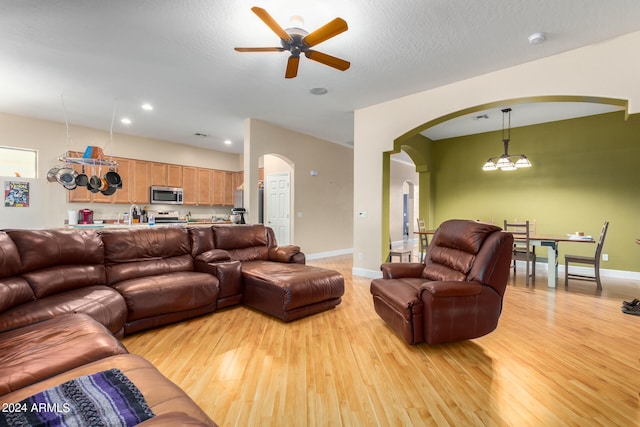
(585, 171)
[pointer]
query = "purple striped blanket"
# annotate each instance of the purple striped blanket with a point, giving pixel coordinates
(106, 398)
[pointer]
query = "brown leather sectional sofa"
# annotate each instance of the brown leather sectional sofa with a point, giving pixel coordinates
(67, 295)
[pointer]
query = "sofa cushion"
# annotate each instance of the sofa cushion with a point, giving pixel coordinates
(53, 280)
(201, 240)
(9, 256)
(102, 303)
(147, 268)
(167, 293)
(239, 236)
(47, 248)
(140, 244)
(14, 291)
(35, 352)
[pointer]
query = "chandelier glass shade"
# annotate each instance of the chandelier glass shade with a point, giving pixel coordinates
(506, 161)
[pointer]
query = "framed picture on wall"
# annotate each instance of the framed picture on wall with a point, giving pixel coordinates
(16, 194)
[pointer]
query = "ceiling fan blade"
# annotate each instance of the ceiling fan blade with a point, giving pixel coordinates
(329, 60)
(271, 23)
(292, 67)
(325, 32)
(259, 49)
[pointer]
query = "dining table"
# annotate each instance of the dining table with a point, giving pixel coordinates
(551, 242)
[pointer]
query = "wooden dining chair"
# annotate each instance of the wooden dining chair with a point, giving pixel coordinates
(424, 239)
(594, 261)
(400, 253)
(523, 250)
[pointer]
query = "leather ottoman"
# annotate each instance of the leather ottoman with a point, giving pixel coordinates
(290, 291)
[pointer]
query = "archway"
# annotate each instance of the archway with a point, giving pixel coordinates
(418, 147)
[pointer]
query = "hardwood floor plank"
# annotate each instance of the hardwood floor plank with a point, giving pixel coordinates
(558, 358)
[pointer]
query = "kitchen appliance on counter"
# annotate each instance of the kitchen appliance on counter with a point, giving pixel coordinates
(166, 217)
(85, 216)
(237, 215)
(166, 195)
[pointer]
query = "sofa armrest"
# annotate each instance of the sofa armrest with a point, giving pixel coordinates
(447, 289)
(213, 255)
(398, 270)
(229, 274)
(284, 253)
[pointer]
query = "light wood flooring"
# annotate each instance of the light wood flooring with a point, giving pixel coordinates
(558, 358)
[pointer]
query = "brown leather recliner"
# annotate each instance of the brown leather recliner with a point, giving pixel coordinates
(456, 294)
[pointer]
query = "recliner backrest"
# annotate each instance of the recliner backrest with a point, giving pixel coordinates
(14, 290)
(243, 242)
(54, 261)
(454, 248)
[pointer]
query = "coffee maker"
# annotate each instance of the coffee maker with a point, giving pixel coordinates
(85, 216)
(237, 215)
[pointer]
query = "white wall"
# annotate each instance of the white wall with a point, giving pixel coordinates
(325, 201)
(608, 69)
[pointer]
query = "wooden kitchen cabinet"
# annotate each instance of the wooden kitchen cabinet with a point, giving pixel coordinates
(190, 185)
(204, 187)
(228, 188)
(141, 181)
(174, 176)
(217, 184)
(159, 174)
(166, 175)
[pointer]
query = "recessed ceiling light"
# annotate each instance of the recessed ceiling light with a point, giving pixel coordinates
(147, 107)
(318, 91)
(227, 142)
(536, 38)
(125, 121)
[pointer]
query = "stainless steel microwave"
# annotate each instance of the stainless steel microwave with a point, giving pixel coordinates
(167, 195)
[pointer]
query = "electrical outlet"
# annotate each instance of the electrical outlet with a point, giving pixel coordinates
(605, 257)
(360, 256)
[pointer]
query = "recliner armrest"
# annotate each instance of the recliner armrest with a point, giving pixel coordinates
(284, 253)
(451, 289)
(399, 270)
(213, 255)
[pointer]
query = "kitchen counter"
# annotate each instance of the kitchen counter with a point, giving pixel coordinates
(165, 224)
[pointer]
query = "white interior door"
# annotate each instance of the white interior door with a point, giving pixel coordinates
(278, 196)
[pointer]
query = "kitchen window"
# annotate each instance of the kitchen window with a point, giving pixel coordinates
(18, 162)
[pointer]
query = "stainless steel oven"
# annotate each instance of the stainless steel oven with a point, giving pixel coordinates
(167, 195)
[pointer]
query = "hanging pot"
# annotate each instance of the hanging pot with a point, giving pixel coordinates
(51, 175)
(66, 176)
(109, 191)
(94, 182)
(82, 179)
(70, 186)
(113, 178)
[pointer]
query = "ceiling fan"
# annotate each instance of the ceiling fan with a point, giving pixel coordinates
(297, 41)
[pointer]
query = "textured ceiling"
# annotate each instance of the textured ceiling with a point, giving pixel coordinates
(178, 55)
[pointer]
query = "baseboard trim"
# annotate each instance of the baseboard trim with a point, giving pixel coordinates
(371, 274)
(319, 255)
(604, 272)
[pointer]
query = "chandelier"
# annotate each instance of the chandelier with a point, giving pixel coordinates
(506, 161)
